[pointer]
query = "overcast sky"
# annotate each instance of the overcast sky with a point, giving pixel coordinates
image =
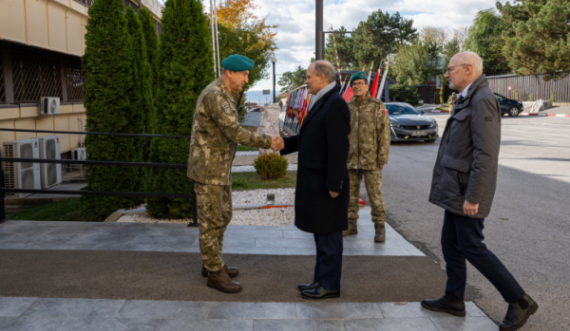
(296, 20)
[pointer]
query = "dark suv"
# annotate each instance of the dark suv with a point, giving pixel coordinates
(509, 106)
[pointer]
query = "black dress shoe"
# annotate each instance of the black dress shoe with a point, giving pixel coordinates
(306, 287)
(447, 304)
(320, 293)
(518, 313)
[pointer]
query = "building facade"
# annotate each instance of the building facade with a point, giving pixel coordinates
(41, 44)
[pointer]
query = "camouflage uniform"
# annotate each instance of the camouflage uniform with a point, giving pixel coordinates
(451, 103)
(369, 146)
(215, 135)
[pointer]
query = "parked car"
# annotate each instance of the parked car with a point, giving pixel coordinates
(509, 106)
(407, 124)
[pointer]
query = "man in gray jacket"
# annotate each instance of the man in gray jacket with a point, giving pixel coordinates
(464, 182)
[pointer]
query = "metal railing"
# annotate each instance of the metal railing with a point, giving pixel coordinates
(4, 190)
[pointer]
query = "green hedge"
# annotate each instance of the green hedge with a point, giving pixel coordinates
(185, 58)
(108, 97)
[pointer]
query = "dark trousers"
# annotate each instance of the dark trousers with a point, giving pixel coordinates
(329, 260)
(462, 239)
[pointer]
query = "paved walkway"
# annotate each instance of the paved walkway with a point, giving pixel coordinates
(47, 314)
(51, 314)
(240, 239)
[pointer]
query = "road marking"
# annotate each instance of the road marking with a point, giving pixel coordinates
(546, 134)
(519, 139)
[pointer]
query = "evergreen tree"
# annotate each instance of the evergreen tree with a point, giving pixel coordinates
(484, 38)
(537, 39)
(107, 63)
(151, 39)
(344, 49)
(142, 105)
(185, 57)
(380, 36)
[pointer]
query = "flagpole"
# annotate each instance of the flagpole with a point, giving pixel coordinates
(337, 61)
(218, 41)
(381, 88)
(370, 72)
(213, 40)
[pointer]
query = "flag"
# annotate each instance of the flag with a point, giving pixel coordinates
(348, 94)
(374, 89)
(381, 88)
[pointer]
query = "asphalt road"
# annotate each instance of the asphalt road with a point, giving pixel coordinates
(528, 228)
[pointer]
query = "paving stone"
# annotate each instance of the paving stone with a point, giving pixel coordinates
(298, 234)
(14, 306)
(464, 324)
(205, 325)
(256, 250)
(109, 324)
(301, 251)
(164, 309)
(253, 233)
(55, 307)
(274, 242)
(339, 310)
(391, 324)
(298, 325)
(410, 309)
(252, 310)
(474, 311)
(30, 324)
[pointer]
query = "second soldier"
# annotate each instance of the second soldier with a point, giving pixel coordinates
(369, 148)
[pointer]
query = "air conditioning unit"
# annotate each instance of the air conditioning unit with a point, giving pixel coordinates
(51, 172)
(79, 154)
(22, 175)
(49, 106)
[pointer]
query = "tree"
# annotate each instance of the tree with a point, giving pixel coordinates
(242, 32)
(537, 37)
(380, 36)
(449, 50)
(142, 101)
(344, 45)
(185, 57)
(151, 39)
(416, 63)
(484, 38)
(435, 35)
(290, 80)
(108, 65)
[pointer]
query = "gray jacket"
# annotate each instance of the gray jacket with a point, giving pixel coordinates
(468, 157)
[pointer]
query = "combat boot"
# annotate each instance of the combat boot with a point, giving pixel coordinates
(221, 281)
(380, 235)
(352, 229)
(232, 271)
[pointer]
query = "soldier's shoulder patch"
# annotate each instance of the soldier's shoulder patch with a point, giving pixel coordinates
(226, 107)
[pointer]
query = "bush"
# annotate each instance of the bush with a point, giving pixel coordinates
(108, 101)
(271, 166)
(404, 93)
(185, 57)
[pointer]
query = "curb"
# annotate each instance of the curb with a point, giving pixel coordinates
(544, 115)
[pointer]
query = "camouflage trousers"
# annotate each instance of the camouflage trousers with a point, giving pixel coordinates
(373, 183)
(214, 215)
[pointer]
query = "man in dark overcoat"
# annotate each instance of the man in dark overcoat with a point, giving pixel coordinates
(321, 200)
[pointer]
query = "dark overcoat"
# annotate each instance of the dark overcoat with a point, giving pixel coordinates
(323, 150)
(467, 161)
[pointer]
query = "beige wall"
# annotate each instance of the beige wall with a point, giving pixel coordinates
(57, 25)
(70, 119)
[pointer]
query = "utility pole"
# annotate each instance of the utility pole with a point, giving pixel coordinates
(319, 49)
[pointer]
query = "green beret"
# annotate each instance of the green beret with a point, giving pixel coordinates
(237, 63)
(359, 75)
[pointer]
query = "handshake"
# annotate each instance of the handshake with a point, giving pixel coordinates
(277, 143)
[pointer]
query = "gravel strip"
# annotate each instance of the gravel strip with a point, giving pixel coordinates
(291, 167)
(264, 217)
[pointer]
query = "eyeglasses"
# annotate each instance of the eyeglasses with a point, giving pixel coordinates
(450, 69)
(358, 84)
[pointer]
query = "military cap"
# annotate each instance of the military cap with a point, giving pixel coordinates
(359, 75)
(237, 63)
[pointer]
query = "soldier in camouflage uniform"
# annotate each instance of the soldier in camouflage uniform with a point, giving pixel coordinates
(215, 135)
(369, 147)
(451, 102)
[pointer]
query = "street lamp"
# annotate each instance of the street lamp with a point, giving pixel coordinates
(273, 60)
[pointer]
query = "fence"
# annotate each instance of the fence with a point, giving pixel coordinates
(4, 190)
(531, 87)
